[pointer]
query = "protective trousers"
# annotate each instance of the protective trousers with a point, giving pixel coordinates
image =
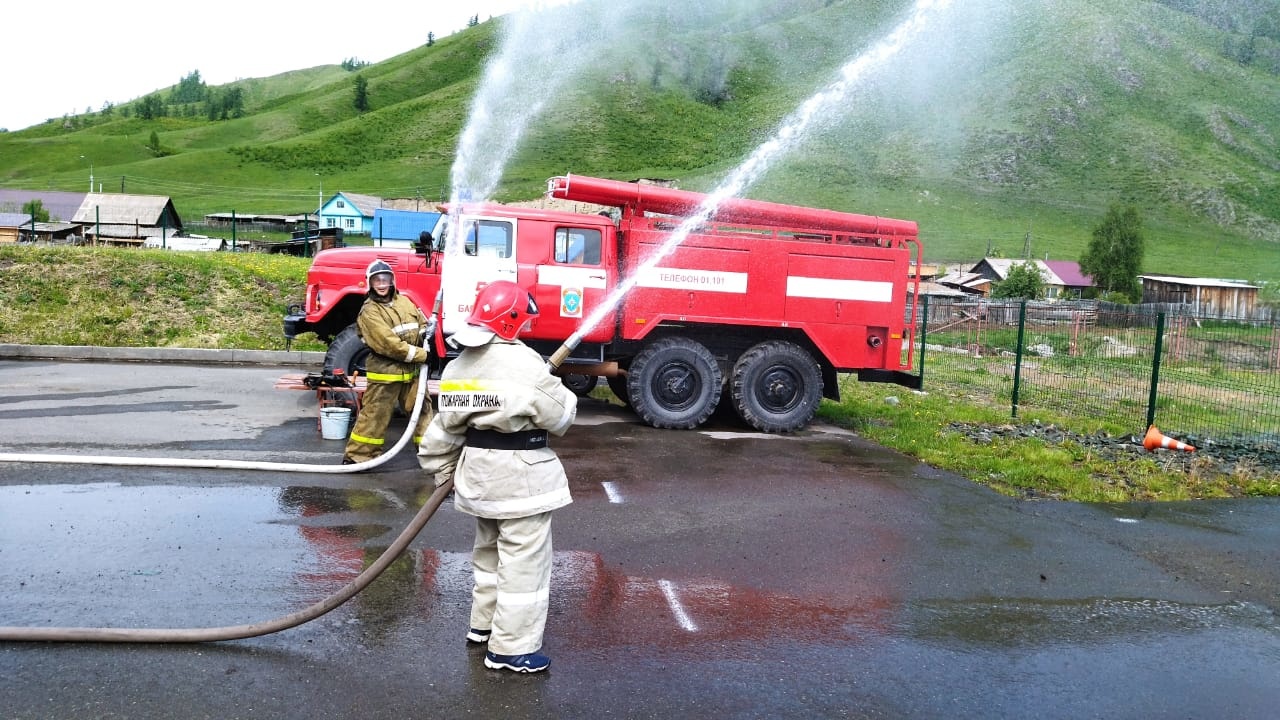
(367, 439)
(512, 562)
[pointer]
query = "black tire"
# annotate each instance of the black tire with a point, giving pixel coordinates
(347, 351)
(618, 384)
(674, 383)
(581, 385)
(776, 386)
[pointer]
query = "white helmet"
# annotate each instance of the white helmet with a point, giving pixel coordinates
(378, 267)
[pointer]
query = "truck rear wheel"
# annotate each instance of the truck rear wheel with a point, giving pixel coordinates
(776, 386)
(347, 351)
(674, 383)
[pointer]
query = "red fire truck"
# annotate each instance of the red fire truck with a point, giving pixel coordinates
(759, 307)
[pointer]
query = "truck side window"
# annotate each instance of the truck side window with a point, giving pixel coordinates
(577, 246)
(489, 238)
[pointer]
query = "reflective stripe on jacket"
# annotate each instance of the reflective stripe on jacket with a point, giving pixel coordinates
(503, 386)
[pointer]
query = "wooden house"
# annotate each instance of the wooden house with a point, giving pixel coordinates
(120, 219)
(13, 226)
(1203, 297)
(351, 212)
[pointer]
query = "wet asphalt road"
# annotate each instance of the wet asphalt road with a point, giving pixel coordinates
(711, 573)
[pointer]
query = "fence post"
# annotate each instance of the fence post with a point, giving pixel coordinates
(924, 332)
(1017, 363)
(1155, 371)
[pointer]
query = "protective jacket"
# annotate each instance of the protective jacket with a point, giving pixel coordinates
(395, 332)
(501, 386)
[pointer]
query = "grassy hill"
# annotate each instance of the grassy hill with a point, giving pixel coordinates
(1011, 128)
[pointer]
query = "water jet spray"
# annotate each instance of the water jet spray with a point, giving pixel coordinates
(791, 131)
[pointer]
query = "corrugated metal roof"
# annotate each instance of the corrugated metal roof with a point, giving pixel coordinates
(401, 224)
(1070, 272)
(121, 209)
(937, 290)
(128, 230)
(366, 204)
(13, 220)
(1199, 282)
(1001, 267)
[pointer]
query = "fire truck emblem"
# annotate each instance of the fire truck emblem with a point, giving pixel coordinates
(571, 302)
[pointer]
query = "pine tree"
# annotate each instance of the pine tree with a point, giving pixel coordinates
(362, 94)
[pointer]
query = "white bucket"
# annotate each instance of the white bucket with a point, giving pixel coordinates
(335, 422)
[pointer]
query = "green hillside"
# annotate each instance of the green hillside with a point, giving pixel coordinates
(1011, 128)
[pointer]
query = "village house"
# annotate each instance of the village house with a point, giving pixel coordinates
(351, 212)
(1203, 297)
(120, 219)
(1063, 279)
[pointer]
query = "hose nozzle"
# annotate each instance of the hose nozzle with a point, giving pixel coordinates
(562, 353)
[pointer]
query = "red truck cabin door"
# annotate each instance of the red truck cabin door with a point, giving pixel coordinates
(484, 251)
(572, 284)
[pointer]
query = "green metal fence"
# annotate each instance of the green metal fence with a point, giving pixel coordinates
(1206, 379)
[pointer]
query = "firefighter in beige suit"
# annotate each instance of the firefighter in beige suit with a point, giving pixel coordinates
(395, 331)
(497, 405)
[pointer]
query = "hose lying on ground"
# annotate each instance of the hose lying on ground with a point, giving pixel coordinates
(238, 632)
(231, 464)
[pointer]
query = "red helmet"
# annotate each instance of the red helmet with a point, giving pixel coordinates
(505, 308)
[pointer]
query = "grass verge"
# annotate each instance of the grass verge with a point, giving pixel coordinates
(1051, 458)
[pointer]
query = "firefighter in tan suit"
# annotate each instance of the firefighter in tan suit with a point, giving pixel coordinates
(395, 331)
(497, 405)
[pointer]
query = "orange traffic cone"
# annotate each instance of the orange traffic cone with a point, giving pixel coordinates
(1155, 439)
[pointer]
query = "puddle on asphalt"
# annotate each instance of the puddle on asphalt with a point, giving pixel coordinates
(78, 553)
(1012, 623)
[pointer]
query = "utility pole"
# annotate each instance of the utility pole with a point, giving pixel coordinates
(90, 172)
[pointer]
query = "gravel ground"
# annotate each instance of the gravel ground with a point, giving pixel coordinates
(1228, 459)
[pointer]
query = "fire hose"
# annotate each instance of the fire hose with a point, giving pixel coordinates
(239, 632)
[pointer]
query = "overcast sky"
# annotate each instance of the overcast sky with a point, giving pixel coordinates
(65, 56)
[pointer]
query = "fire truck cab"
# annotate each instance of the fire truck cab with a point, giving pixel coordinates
(757, 309)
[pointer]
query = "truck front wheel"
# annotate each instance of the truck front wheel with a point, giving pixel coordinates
(347, 351)
(674, 383)
(581, 385)
(776, 386)
(618, 384)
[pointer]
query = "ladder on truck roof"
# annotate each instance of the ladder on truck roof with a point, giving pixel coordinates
(638, 199)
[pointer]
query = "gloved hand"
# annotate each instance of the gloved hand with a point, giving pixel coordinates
(443, 477)
(428, 334)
